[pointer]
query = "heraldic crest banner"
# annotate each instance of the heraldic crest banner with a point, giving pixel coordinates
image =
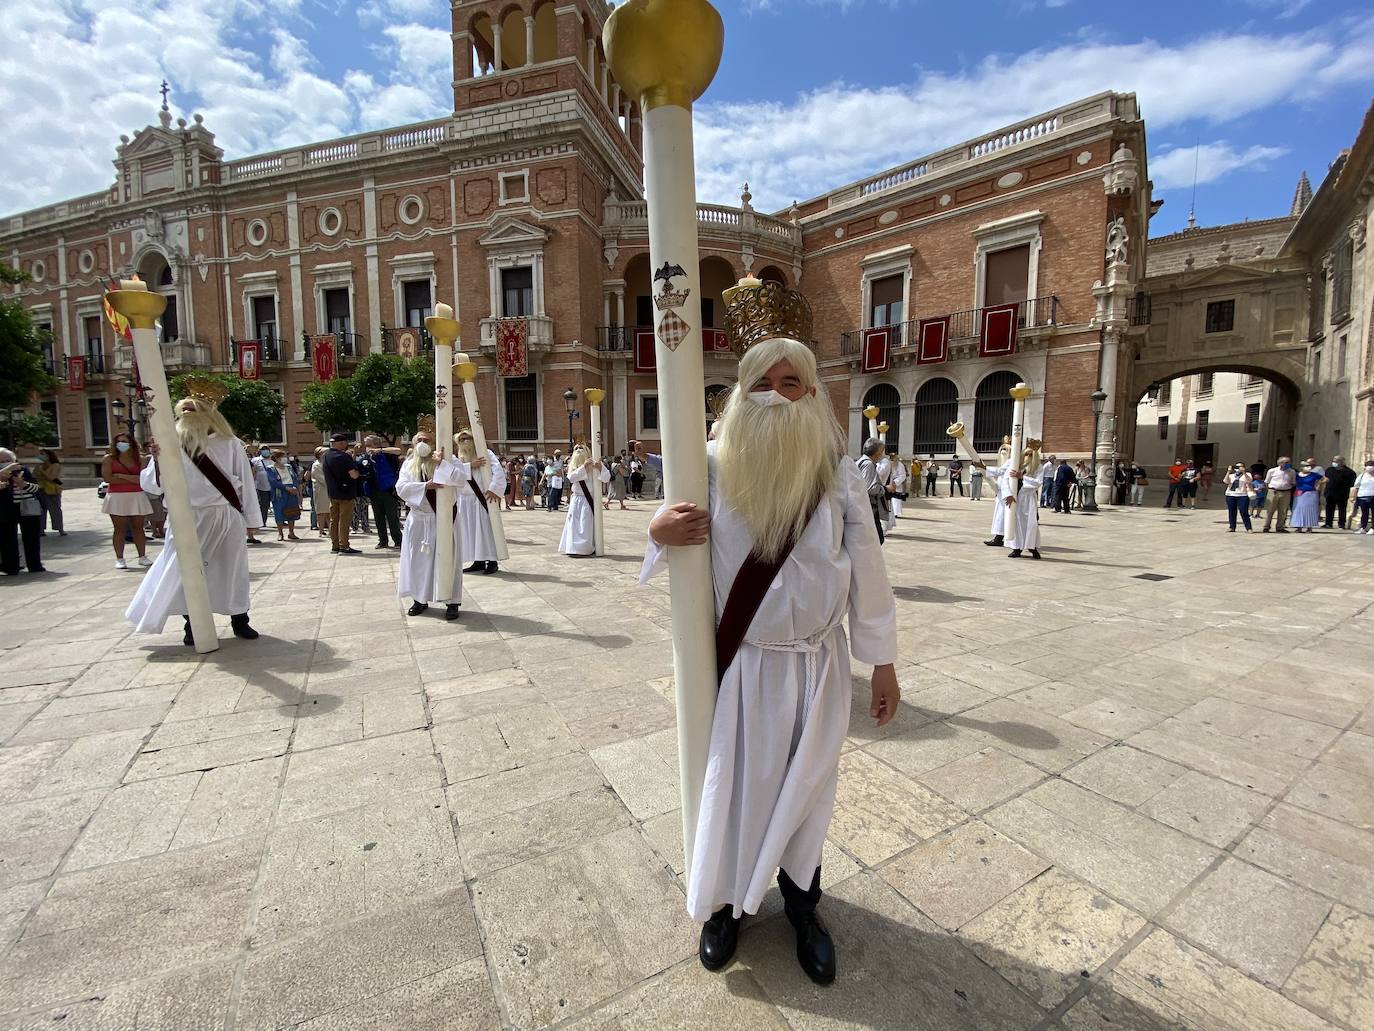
(512, 347)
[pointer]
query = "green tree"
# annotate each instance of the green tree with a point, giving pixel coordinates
(21, 349)
(386, 394)
(252, 408)
(26, 428)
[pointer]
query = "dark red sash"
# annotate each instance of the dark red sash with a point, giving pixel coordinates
(218, 480)
(432, 496)
(586, 491)
(481, 494)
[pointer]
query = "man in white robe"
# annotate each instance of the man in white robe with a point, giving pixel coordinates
(220, 523)
(1018, 495)
(422, 474)
(898, 495)
(778, 479)
(474, 515)
(579, 529)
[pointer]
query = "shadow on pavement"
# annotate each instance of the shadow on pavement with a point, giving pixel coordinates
(930, 594)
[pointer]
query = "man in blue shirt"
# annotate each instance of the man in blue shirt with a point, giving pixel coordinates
(381, 467)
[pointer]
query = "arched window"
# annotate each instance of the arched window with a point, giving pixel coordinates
(885, 396)
(992, 411)
(937, 405)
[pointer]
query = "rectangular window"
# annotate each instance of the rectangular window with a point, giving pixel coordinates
(885, 301)
(49, 408)
(44, 331)
(1316, 314)
(280, 437)
(91, 330)
(170, 330)
(1006, 276)
(1165, 392)
(644, 311)
(1203, 417)
(265, 319)
(1163, 427)
(708, 312)
(1205, 382)
(1341, 355)
(338, 318)
(1221, 316)
(517, 292)
(97, 422)
(1341, 267)
(1316, 362)
(522, 408)
(1252, 418)
(515, 188)
(648, 413)
(416, 298)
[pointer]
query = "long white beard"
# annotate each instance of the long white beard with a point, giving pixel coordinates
(773, 463)
(467, 450)
(417, 468)
(580, 457)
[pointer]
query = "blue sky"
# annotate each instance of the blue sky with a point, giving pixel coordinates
(811, 94)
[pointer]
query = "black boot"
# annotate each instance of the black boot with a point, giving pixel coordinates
(186, 637)
(491, 567)
(416, 607)
(719, 936)
(241, 627)
(451, 611)
(995, 541)
(1035, 553)
(476, 567)
(815, 949)
(1014, 553)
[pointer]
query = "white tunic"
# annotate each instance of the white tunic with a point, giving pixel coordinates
(999, 510)
(783, 709)
(579, 528)
(1023, 522)
(220, 529)
(416, 577)
(479, 543)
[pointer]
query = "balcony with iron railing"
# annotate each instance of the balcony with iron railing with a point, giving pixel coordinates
(271, 349)
(407, 341)
(1038, 313)
(614, 339)
(178, 355)
(538, 332)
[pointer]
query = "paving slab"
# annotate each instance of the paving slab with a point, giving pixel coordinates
(1332, 978)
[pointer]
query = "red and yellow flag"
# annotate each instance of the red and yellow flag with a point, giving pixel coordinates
(121, 325)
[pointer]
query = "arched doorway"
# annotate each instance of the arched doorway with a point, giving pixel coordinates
(937, 405)
(154, 270)
(992, 410)
(889, 402)
(773, 274)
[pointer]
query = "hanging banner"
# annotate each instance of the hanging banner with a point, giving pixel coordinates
(249, 352)
(646, 357)
(407, 342)
(76, 373)
(322, 356)
(876, 350)
(932, 340)
(997, 331)
(714, 341)
(512, 347)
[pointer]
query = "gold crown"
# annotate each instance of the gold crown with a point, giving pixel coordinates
(425, 424)
(756, 311)
(1033, 443)
(203, 388)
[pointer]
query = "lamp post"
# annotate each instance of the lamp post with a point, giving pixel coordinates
(1099, 400)
(132, 412)
(570, 399)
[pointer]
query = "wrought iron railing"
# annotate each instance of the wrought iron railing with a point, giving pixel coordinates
(1036, 313)
(617, 338)
(270, 348)
(95, 363)
(398, 340)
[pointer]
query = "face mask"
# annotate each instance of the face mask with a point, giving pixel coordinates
(121, 446)
(265, 454)
(423, 450)
(1337, 464)
(767, 398)
(292, 458)
(1285, 466)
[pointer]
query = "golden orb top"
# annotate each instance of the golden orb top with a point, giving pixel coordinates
(664, 52)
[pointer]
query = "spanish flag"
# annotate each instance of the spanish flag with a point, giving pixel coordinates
(121, 325)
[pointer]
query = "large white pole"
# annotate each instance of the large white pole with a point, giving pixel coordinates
(595, 395)
(664, 53)
(871, 413)
(466, 370)
(443, 328)
(1018, 393)
(141, 307)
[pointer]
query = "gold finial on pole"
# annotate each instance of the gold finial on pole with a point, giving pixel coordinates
(664, 52)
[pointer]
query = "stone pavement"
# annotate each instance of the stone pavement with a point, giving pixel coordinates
(1107, 802)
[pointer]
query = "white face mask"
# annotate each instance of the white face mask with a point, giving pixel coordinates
(767, 398)
(423, 450)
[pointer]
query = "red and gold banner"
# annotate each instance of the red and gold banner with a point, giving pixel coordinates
(249, 353)
(646, 357)
(877, 350)
(997, 331)
(932, 340)
(512, 347)
(322, 357)
(76, 373)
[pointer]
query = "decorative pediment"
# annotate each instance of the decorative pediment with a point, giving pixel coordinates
(149, 141)
(1216, 275)
(514, 233)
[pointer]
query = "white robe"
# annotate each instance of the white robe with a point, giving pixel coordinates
(885, 478)
(416, 577)
(579, 528)
(899, 478)
(1023, 522)
(479, 543)
(220, 528)
(782, 712)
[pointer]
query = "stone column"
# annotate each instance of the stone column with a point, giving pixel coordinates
(529, 39)
(620, 401)
(591, 59)
(1102, 446)
(496, 47)
(620, 306)
(906, 433)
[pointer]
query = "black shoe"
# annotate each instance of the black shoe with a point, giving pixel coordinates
(1280, 530)
(476, 567)
(995, 541)
(815, 949)
(491, 567)
(253, 540)
(451, 611)
(719, 936)
(416, 608)
(1014, 553)
(349, 551)
(333, 551)
(241, 627)
(380, 547)
(1035, 553)
(186, 637)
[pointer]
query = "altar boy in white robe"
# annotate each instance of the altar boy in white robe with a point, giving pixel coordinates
(219, 480)
(579, 529)
(1018, 500)
(479, 543)
(787, 508)
(422, 474)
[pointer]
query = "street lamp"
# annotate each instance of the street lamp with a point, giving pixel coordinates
(1099, 400)
(132, 412)
(570, 399)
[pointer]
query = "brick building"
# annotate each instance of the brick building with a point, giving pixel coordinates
(526, 204)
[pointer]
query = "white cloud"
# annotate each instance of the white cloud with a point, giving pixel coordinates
(1174, 168)
(843, 132)
(420, 47)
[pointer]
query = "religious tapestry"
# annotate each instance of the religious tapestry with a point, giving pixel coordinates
(512, 347)
(76, 373)
(646, 357)
(323, 358)
(877, 349)
(249, 352)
